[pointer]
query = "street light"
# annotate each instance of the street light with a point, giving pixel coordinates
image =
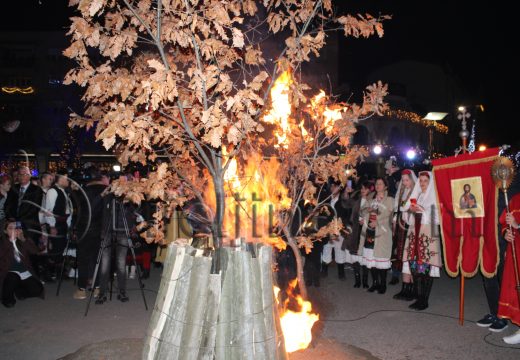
(377, 149)
(410, 154)
(432, 117)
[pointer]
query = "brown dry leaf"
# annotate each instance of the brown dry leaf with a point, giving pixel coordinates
(238, 38)
(96, 6)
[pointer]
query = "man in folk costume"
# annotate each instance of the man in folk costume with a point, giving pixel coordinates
(401, 229)
(353, 230)
(422, 257)
(335, 243)
(376, 236)
(509, 304)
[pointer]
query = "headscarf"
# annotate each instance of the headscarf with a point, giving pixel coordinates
(412, 176)
(427, 200)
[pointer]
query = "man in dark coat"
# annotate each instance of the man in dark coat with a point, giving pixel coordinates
(88, 221)
(23, 203)
(17, 278)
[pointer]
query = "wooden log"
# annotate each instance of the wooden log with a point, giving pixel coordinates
(243, 347)
(260, 340)
(209, 335)
(226, 310)
(276, 344)
(196, 308)
(172, 269)
(172, 335)
(228, 316)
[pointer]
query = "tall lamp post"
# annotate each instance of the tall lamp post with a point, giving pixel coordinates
(432, 117)
(464, 134)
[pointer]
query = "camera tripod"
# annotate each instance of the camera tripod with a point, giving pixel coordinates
(65, 254)
(110, 240)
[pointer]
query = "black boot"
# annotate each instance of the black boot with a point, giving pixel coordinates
(102, 298)
(400, 295)
(357, 275)
(382, 281)
(375, 280)
(364, 272)
(406, 293)
(427, 283)
(324, 270)
(409, 294)
(341, 272)
(122, 296)
(417, 281)
(395, 277)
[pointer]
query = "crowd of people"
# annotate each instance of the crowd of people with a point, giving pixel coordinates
(392, 224)
(54, 227)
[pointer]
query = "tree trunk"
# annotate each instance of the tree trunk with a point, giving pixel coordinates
(299, 263)
(218, 222)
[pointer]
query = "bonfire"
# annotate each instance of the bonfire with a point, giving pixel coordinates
(184, 88)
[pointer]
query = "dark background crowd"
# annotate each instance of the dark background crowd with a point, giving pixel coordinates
(55, 226)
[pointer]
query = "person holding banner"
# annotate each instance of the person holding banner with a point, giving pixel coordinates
(509, 303)
(400, 231)
(422, 255)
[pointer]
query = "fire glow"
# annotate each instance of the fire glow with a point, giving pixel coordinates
(296, 325)
(281, 109)
(253, 195)
(324, 115)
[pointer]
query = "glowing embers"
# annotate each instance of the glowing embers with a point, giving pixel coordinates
(296, 319)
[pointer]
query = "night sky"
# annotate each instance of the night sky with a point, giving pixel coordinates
(472, 41)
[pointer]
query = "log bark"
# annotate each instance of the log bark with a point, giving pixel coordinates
(199, 315)
(209, 335)
(196, 309)
(171, 271)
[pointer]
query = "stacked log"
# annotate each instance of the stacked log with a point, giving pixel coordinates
(226, 316)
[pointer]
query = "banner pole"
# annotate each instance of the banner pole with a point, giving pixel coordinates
(462, 281)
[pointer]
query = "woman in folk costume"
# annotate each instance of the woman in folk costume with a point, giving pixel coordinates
(376, 236)
(509, 304)
(422, 254)
(400, 230)
(353, 229)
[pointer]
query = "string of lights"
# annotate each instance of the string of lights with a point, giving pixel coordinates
(14, 90)
(417, 119)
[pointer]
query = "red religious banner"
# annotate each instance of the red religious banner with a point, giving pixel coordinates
(467, 198)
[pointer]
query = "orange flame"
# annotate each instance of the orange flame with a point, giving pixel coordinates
(253, 195)
(281, 109)
(330, 114)
(323, 114)
(296, 326)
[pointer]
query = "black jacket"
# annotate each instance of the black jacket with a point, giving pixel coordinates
(89, 198)
(28, 211)
(26, 248)
(113, 217)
